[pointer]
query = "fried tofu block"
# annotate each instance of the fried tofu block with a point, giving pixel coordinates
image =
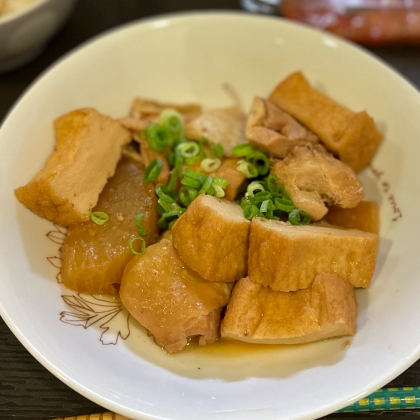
(314, 178)
(236, 180)
(258, 314)
(287, 257)
(148, 110)
(353, 137)
(172, 301)
(212, 238)
(224, 126)
(87, 151)
(274, 131)
(365, 217)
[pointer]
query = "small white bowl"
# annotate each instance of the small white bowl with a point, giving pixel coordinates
(23, 34)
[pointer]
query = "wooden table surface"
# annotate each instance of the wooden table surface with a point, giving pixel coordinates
(27, 389)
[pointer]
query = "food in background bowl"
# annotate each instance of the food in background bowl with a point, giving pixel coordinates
(8, 7)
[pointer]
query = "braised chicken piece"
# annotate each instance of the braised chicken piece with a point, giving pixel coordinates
(287, 257)
(88, 149)
(353, 137)
(94, 256)
(365, 216)
(275, 132)
(172, 301)
(211, 237)
(224, 126)
(314, 178)
(258, 314)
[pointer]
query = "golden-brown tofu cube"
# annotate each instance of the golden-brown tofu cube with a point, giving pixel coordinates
(258, 314)
(212, 239)
(353, 137)
(87, 151)
(365, 216)
(287, 257)
(170, 300)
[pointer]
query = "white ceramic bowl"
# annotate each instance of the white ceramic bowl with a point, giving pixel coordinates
(188, 58)
(23, 35)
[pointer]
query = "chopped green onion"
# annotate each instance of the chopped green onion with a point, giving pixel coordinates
(247, 169)
(206, 185)
(205, 142)
(264, 206)
(189, 149)
(98, 217)
(284, 205)
(168, 217)
(187, 195)
(175, 172)
(165, 205)
(221, 182)
(219, 192)
(193, 174)
(272, 183)
(219, 151)
(242, 150)
(153, 170)
(254, 186)
(260, 197)
(139, 226)
(174, 122)
(189, 182)
(158, 137)
(250, 211)
(260, 161)
(163, 192)
(143, 245)
(210, 165)
(299, 217)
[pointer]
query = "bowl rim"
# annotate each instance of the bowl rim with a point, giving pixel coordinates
(25, 11)
(63, 376)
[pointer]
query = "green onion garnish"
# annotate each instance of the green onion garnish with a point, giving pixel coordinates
(299, 217)
(175, 172)
(219, 192)
(250, 211)
(153, 170)
(206, 185)
(189, 182)
(189, 149)
(173, 121)
(143, 245)
(253, 187)
(259, 197)
(218, 150)
(284, 205)
(260, 161)
(210, 165)
(165, 220)
(158, 137)
(139, 226)
(187, 195)
(264, 206)
(242, 150)
(221, 182)
(272, 183)
(98, 217)
(247, 169)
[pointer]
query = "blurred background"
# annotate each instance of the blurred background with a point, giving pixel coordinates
(36, 33)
